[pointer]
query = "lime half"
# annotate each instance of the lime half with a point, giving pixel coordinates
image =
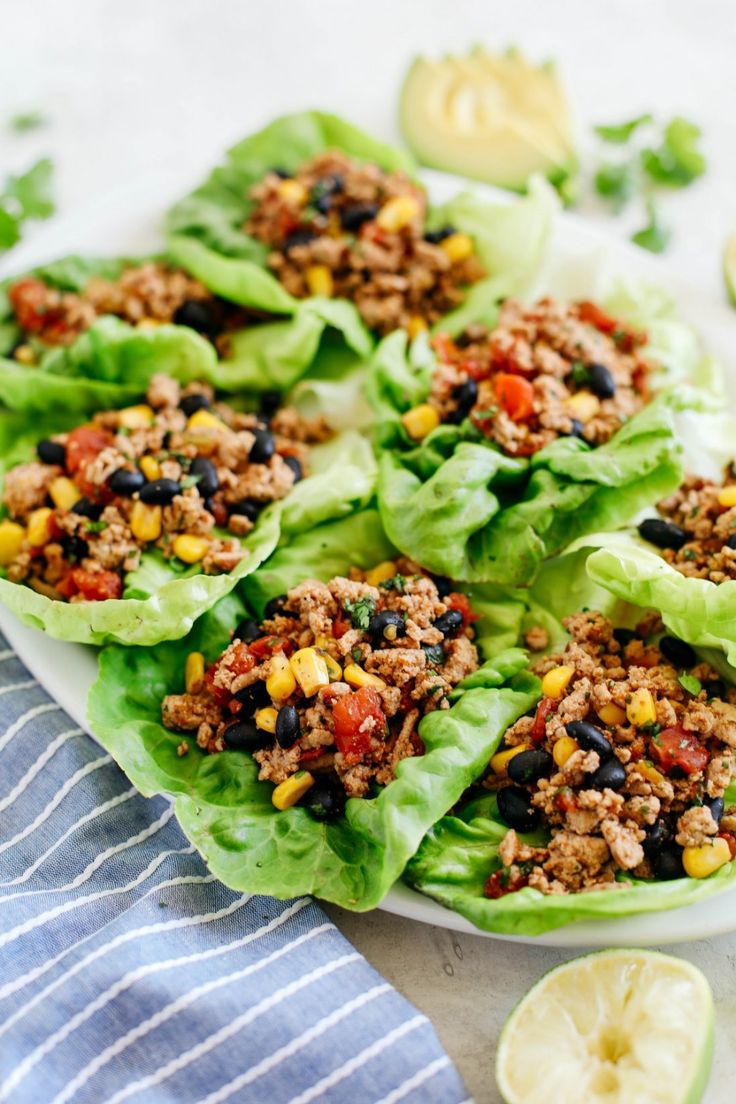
(729, 268)
(620, 1027)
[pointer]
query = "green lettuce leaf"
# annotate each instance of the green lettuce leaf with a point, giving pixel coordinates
(221, 805)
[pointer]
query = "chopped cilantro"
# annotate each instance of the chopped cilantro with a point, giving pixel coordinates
(689, 554)
(652, 729)
(654, 236)
(190, 481)
(487, 412)
(27, 120)
(95, 526)
(360, 612)
(619, 133)
(690, 683)
(25, 197)
(396, 582)
(579, 373)
(123, 431)
(357, 654)
(677, 161)
(616, 183)
(435, 654)
(656, 739)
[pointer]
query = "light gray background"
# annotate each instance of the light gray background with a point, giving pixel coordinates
(143, 96)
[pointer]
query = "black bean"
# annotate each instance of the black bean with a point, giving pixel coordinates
(247, 507)
(715, 688)
(590, 738)
(253, 697)
(245, 736)
(731, 542)
(282, 174)
(528, 766)
(657, 835)
(197, 315)
(125, 482)
(323, 193)
(600, 381)
(190, 404)
(624, 636)
(205, 470)
(51, 452)
(263, 447)
(298, 237)
(609, 776)
(86, 508)
(74, 548)
(325, 800)
(465, 395)
(288, 729)
(386, 625)
(160, 492)
(716, 806)
(434, 653)
(274, 606)
(665, 534)
(449, 623)
(577, 428)
(436, 236)
(443, 584)
(293, 463)
(270, 402)
(516, 809)
(677, 651)
(353, 217)
(668, 863)
(247, 630)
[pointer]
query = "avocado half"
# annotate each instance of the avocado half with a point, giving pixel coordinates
(495, 118)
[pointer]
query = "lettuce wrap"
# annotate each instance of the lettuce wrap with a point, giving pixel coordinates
(460, 852)
(221, 805)
(206, 235)
(464, 508)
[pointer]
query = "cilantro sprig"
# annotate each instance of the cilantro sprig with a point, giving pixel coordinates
(360, 612)
(25, 197)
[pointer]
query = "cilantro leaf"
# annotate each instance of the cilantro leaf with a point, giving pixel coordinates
(27, 120)
(9, 229)
(677, 161)
(32, 191)
(654, 236)
(619, 133)
(360, 612)
(396, 582)
(690, 683)
(616, 183)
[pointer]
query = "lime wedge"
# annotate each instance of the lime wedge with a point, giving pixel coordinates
(729, 268)
(620, 1027)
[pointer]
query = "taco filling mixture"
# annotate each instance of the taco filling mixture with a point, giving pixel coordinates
(148, 294)
(696, 530)
(624, 763)
(327, 692)
(176, 473)
(545, 371)
(341, 228)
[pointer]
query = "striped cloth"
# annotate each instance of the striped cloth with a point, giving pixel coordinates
(127, 972)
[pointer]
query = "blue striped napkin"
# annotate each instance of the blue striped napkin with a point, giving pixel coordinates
(127, 972)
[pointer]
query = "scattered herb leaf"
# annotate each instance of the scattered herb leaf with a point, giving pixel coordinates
(360, 612)
(95, 526)
(616, 183)
(396, 582)
(690, 683)
(677, 161)
(654, 236)
(27, 120)
(619, 133)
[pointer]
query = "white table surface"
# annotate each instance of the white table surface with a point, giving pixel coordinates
(142, 97)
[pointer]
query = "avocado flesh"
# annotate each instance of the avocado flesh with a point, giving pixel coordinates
(493, 118)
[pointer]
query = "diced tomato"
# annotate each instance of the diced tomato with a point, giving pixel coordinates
(476, 369)
(566, 801)
(504, 359)
(83, 444)
(265, 646)
(218, 509)
(515, 394)
(340, 626)
(674, 747)
(240, 661)
(731, 841)
(94, 586)
(350, 712)
(461, 602)
(546, 707)
(445, 347)
(594, 316)
(27, 298)
(500, 884)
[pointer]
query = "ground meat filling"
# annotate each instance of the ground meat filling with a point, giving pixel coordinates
(328, 691)
(341, 228)
(545, 371)
(624, 762)
(180, 472)
(144, 295)
(697, 535)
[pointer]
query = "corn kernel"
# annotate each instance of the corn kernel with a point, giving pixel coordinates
(280, 682)
(63, 493)
(415, 326)
(500, 761)
(319, 280)
(356, 676)
(310, 670)
(563, 749)
(194, 672)
(150, 467)
(420, 420)
(727, 496)
(649, 772)
(38, 527)
(458, 247)
(266, 719)
(24, 355)
(12, 536)
(612, 714)
(205, 419)
(135, 417)
(334, 670)
(292, 192)
(287, 793)
(701, 861)
(584, 405)
(148, 323)
(189, 548)
(380, 573)
(397, 213)
(641, 710)
(556, 681)
(145, 522)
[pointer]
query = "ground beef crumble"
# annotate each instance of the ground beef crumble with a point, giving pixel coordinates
(544, 371)
(173, 473)
(624, 763)
(337, 227)
(697, 533)
(335, 680)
